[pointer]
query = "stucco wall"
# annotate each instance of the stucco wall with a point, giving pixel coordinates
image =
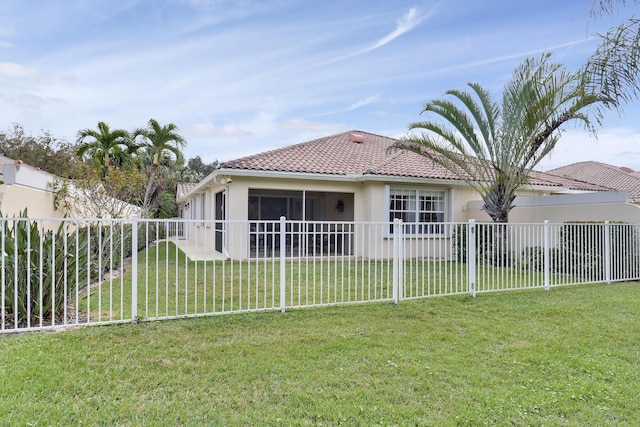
(618, 212)
(599, 206)
(15, 198)
(364, 202)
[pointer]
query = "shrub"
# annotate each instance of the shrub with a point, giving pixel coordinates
(491, 241)
(533, 259)
(112, 243)
(41, 270)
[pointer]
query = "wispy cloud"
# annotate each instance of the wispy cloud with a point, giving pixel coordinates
(363, 102)
(503, 58)
(406, 23)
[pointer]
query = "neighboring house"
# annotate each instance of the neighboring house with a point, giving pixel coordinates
(618, 178)
(351, 176)
(25, 187)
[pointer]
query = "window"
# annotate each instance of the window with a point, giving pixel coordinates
(201, 208)
(271, 205)
(422, 211)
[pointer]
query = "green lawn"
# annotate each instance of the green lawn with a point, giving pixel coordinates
(567, 357)
(169, 285)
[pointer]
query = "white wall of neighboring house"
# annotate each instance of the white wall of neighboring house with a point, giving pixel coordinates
(596, 207)
(25, 187)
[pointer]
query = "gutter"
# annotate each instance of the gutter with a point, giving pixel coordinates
(222, 176)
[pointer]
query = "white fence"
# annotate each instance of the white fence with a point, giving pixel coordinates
(72, 272)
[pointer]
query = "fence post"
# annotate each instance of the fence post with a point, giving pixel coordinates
(397, 231)
(134, 268)
(471, 257)
(547, 256)
(283, 258)
(607, 252)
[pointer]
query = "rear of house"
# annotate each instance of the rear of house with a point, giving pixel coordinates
(327, 186)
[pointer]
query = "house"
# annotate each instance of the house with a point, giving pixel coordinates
(25, 187)
(338, 180)
(618, 178)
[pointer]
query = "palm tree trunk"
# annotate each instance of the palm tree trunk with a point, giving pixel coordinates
(498, 203)
(148, 193)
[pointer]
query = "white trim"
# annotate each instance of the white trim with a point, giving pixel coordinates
(418, 190)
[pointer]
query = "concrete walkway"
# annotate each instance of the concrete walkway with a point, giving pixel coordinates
(198, 252)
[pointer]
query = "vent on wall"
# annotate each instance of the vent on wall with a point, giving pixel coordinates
(356, 137)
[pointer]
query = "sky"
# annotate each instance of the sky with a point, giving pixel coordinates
(239, 77)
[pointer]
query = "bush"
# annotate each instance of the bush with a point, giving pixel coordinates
(491, 239)
(42, 270)
(583, 250)
(112, 243)
(533, 259)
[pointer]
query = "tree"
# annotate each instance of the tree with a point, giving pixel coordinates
(493, 146)
(105, 147)
(45, 151)
(186, 174)
(201, 168)
(96, 193)
(615, 65)
(162, 146)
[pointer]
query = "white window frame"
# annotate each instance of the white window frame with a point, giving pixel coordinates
(204, 207)
(411, 216)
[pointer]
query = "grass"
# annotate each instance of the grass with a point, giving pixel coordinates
(171, 285)
(566, 357)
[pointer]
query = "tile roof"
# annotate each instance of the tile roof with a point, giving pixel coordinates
(602, 174)
(184, 188)
(362, 153)
(4, 160)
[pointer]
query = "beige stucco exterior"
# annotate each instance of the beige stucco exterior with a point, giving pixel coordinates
(14, 199)
(366, 201)
(25, 187)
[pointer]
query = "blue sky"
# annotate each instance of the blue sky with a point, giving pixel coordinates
(244, 76)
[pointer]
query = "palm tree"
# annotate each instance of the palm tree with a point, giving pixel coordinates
(615, 65)
(493, 146)
(160, 143)
(105, 147)
(160, 140)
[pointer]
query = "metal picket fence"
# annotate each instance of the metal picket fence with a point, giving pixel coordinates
(62, 273)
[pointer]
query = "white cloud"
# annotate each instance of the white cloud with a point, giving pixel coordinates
(210, 131)
(363, 102)
(17, 71)
(406, 23)
(614, 146)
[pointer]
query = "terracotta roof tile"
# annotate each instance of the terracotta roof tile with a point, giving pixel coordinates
(349, 154)
(602, 174)
(184, 188)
